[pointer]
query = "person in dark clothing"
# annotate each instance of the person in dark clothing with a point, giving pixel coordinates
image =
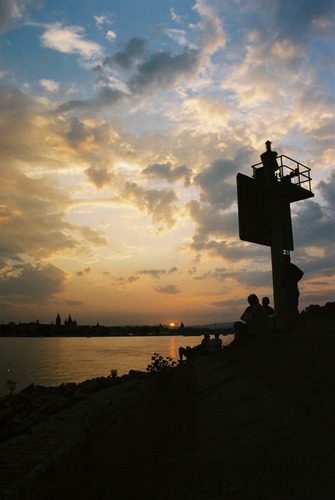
(291, 275)
(266, 305)
(266, 175)
(198, 350)
(270, 313)
(253, 319)
(269, 158)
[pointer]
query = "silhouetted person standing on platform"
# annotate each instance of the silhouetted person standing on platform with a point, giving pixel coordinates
(270, 165)
(269, 158)
(291, 275)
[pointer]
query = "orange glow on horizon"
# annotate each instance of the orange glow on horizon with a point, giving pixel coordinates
(172, 324)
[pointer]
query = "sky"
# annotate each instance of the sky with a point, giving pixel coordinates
(123, 125)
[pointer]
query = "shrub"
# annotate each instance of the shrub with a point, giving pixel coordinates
(159, 363)
(114, 373)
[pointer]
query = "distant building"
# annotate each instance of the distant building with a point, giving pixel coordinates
(70, 321)
(58, 320)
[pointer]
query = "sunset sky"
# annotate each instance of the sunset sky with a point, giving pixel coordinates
(123, 124)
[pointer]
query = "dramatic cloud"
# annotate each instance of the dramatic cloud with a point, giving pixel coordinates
(99, 176)
(32, 282)
(163, 69)
(327, 190)
(214, 188)
(121, 140)
(132, 53)
(159, 203)
(107, 97)
(167, 172)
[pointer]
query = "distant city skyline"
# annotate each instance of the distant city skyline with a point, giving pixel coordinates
(123, 126)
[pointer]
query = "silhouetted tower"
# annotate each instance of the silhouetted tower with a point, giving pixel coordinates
(70, 322)
(264, 207)
(58, 320)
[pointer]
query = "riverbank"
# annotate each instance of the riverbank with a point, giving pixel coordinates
(256, 422)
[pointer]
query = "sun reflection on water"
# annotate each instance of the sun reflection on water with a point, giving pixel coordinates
(173, 350)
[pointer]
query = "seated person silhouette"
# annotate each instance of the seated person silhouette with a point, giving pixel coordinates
(270, 313)
(253, 319)
(191, 352)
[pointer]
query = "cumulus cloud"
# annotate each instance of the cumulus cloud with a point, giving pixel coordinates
(212, 32)
(110, 35)
(314, 222)
(32, 282)
(87, 270)
(168, 289)
(124, 282)
(34, 206)
(327, 190)
(163, 69)
(133, 52)
(166, 172)
(212, 181)
(69, 40)
(147, 72)
(215, 213)
(34, 223)
(105, 19)
(159, 203)
(153, 113)
(209, 221)
(107, 96)
(100, 176)
(49, 85)
(313, 225)
(154, 273)
(78, 134)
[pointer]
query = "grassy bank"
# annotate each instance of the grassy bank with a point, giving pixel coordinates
(256, 422)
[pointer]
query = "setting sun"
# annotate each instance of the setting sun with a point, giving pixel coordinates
(119, 197)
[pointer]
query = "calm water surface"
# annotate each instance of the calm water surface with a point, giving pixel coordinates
(52, 361)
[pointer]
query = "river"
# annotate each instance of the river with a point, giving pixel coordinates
(53, 361)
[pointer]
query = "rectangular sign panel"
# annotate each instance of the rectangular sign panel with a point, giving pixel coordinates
(259, 219)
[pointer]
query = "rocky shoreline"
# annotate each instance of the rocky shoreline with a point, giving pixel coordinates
(35, 403)
(256, 422)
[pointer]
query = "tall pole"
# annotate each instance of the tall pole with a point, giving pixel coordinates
(276, 255)
(273, 202)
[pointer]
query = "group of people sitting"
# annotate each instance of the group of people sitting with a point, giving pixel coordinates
(257, 319)
(208, 346)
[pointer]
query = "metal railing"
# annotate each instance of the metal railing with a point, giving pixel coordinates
(290, 170)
